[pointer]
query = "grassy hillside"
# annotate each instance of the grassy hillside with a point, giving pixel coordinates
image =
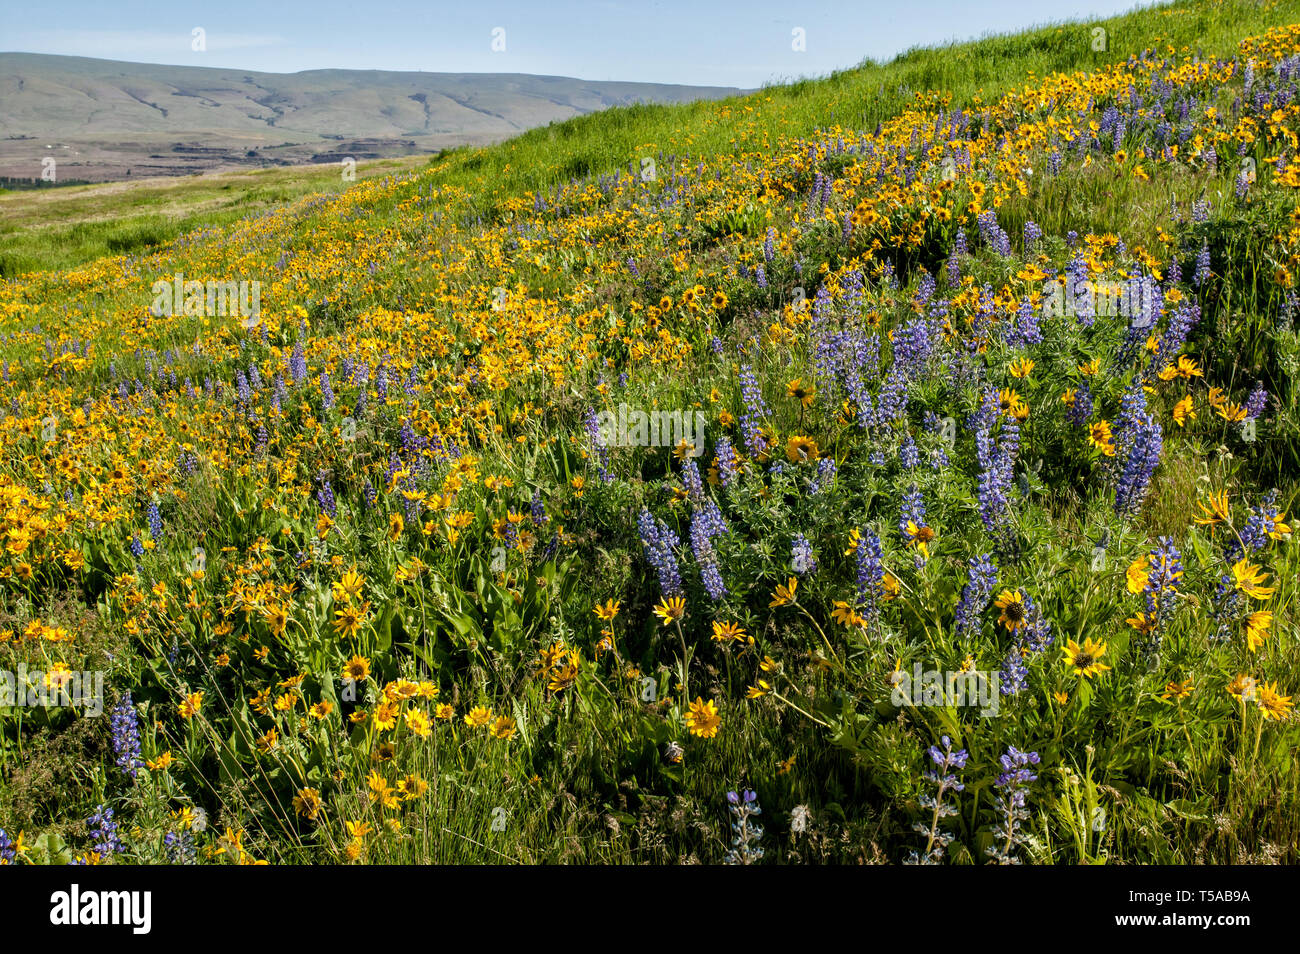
(62, 227)
(988, 362)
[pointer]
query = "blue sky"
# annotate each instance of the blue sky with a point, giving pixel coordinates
(666, 41)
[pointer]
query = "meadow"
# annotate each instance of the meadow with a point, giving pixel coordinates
(889, 468)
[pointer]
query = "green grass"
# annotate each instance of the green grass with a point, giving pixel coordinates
(53, 229)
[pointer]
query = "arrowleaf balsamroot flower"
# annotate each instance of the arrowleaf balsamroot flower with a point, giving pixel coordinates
(784, 593)
(1012, 605)
(670, 609)
(702, 718)
(1085, 660)
(1251, 580)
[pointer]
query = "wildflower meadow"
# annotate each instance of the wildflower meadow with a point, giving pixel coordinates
(894, 468)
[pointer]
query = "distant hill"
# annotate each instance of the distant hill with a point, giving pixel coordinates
(100, 118)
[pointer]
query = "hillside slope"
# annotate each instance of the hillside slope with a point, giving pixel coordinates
(908, 453)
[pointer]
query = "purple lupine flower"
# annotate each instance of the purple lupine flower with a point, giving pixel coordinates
(1132, 408)
(692, 482)
(1181, 321)
(943, 774)
(908, 455)
(745, 848)
(179, 846)
(1016, 775)
(592, 425)
(155, 521)
(724, 457)
(660, 545)
(801, 556)
(124, 723)
(1256, 402)
(1025, 330)
(1165, 573)
(825, 475)
(996, 459)
(297, 364)
(755, 408)
(1258, 530)
(1078, 292)
(104, 830)
(1032, 234)
(1015, 768)
(701, 534)
(325, 498)
(1202, 272)
(327, 392)
(912, 510)
(1080, 409)
(870, 559)
(975, 595)
(1139, 465)
(1013, 677)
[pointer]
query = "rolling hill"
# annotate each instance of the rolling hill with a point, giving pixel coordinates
(101, 118)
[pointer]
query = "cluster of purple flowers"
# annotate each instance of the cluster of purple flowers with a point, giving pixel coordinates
(1032, 234)
(708, 523)
(325, 498)
(154, 519)
(993, 234)
(1164, 575)
(724, 456)
(746, 835)
(124, 723)
(870, 559)
(1139, 465)
(180, 848)
(592, 425)
(104, 831)
(997, 460)
(802, 559)
(825, 476)
(661, 545)
(975, 595)
(1256, 402)
(755, 409)
(1258, 529)
(1011, 784)
(943, 774)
